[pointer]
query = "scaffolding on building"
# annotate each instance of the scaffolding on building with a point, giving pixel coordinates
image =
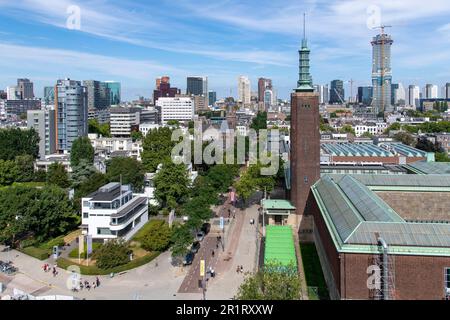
(384, 286)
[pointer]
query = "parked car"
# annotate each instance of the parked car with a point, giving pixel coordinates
(206, 227)
(188, 259)
(195, 247)
(200, 236)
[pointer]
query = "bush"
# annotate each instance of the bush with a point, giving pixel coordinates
(157, 237)
(96, 271)
(112, 254)
(74, 252)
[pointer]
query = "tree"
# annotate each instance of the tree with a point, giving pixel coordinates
(81, 173)
(405, 138)
(181, 238)
(16, 142)
(273, 282)
(57, 175)
(42, 213)
(25, 166)
(131, 171)
(347, 129)
(92, 184)
(81, 149)
(136, 136)
(426, 145)
(112, 254)
(157, 148)
(100, 129)
(158, 236)
(171, 185)
(252, 180)
(8, 172)
(367, 134)
(442, 157)
(259, 122)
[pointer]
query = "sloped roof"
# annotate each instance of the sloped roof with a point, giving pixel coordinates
(423, 167)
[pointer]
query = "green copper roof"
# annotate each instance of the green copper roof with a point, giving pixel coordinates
(423, 167)
(355, 215)
(277, 204)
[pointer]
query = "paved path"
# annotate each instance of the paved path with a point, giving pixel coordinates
(158, 280)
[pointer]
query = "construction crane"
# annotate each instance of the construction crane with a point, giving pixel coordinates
(383, 70)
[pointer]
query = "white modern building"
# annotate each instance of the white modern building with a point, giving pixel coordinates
(145, 128)
(178, 108)
(244, 90)
(124, 120)
(111, 146)
(400, 95)
(113, 212)
(413, 96)
(371, 128)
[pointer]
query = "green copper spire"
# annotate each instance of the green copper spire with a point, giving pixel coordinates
(304, 83)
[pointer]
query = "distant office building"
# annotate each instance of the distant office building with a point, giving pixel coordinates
(49, 95)
(324, 93)
(244, 90)
(268, 99)
(113, 212)
(98, 94)
(337, 92)
(72, 113)
(20, 107)
(123, 121)
(101, 115)
(382, 72)
(447, 91)
(3, 95)
(115, 92)
(25, 88)
(365, 95)
(150, 116)
(212, 98)
(414, 96)
(164, 90)
(43, 121)
(179, 109)
(12, 93)
(431, 91)
(398, 94)
(201, 103)
(263, 85)
(197, 86)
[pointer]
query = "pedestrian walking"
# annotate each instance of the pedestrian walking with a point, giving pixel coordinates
(242, 269)
(212, 253)
(238, 269)
(94, 284)
(97, 280)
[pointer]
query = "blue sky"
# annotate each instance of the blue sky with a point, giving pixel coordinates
(135, 41)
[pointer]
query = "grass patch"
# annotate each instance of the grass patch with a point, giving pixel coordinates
(95, 271)
(74, 252)
(35, 252)
(313, 272)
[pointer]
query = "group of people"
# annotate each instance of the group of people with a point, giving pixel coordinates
(240, 269)
(86, 285)
(46, 267)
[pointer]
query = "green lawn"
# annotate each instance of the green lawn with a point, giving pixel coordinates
(74, 252)
(313, 272)
(43, 250)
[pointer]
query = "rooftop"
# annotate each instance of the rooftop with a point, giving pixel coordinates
(279, 246)
(277, 204)
(355, 215)
(422, 167)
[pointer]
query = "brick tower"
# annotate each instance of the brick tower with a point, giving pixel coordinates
(305, 136)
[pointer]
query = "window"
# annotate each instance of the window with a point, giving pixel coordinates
(447, 281)
(85, 215)
(103, 231)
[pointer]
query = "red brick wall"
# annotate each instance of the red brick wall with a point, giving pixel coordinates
(416, 277)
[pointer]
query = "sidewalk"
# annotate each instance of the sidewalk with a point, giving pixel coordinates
(241, 251)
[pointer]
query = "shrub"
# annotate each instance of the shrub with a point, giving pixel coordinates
(38, 253)
(112, 254)
(157, 237)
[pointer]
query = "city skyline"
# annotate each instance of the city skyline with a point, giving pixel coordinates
(256, 44)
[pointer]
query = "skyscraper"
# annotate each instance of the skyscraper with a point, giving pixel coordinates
(98, 94)
(398, 94)
(382, 72)
(263, 85)
(25, 88)
(431, 91)
(212, 98)
(337, 92)
(115, 92)
(413, 96)
(43, 121)
(365, 95)
(49, 95)
(71, 109)
(164, 90)
(305, 136)
(197, 86)
(244, 90)
(447, 91)
(323, 92)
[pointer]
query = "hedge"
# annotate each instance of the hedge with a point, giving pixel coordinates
(95, 271)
